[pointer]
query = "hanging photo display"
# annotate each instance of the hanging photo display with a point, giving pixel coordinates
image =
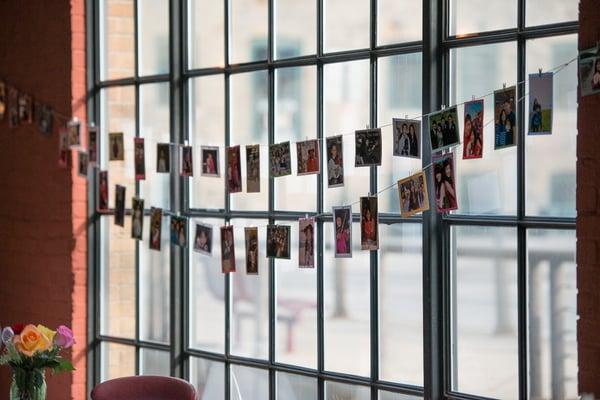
(74, 129)
(251, 242)
(473, 130)
(335, 161)
(25, 109)
(368, 147)
(505, 118)
(342, 231)
(589, 71)
(204, 239)
(93, 145)
(443, 129)
(116, 146)
(187, 163)
(278, 241)
(210, 161)
(120, 205)
(369, 223)
(280, 159)
(163, 158)
(82, 164)
(308, 157)
(103, 190)
(407, 138)
(139, 158)
(253, 168)
(227, 249)
(413, 196)
(155, 228)
(2, 100)
(44, 118)
(306, 243)
(137, 218)
(13, 108)
(179, 231)
(233, 169)
(444, 181)
(64, 153)
(540, 103)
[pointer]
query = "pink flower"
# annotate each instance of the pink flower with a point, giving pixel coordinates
(64, 337)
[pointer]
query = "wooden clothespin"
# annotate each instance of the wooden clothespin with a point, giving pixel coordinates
(540, 72)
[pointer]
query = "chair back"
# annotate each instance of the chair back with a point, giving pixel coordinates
(144, 388)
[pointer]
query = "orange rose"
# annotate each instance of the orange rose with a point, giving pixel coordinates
(32, 340)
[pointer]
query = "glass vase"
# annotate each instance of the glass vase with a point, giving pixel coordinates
(31, 394)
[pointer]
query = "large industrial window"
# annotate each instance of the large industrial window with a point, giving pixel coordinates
(476, 303)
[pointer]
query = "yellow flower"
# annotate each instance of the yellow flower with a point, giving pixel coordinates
(49, 333)
(32, 340)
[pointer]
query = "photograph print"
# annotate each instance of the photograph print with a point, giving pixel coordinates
(505, 118)
(64, 152)
(473, 130)
(369, 223)
(251, 241)
(2, 100)
(253, 168)
(342, 231)
(227, 249)
(280, 159)
(116, 150)
(204, 239)
(83, 163)
(137, 218)
(163, 158)
(413, 196)
(44, 118)
(444, 181)
(308, 157)
(187, 162)
(210, 161)
(335, 162)
(139, 156)
(155, 228)
(368, 147)
(74, 129)
(278, 241)
(443, 129)
(589, 71)
(103, 190)
(13, 107)
(179, 231)
(93, 144)
(540, 103)
(233, 169)
(120, 205)
(407, 138)
(306, 243)
(25, 109)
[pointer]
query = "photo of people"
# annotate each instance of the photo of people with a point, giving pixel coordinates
(116, 151)
(278, 241)
(473, 130)
(306, 243)
(210, 161)
(139, 156)
(342, 230)
(13, 108)
(308, 157)
(163, 158)
(540, 103)
(280, 159)
(227, 249)
(137, 218)
(335, 162)
(251, 239)
(505, 118)
(93, 144)
(407, 138)
(44, 118)
(120, 205)
(25, 109)
(253, 168)
(589, 71)
(179, 231)
(203, 240)
(369, 223)
(64, 153)
(74, 128)
(368, 147)
(233, 169)
(155, 228)
(102, 190)
(83, 162)
(443, 129)
(187, 162)
(444, 181)
(413, 194)
(2, 100)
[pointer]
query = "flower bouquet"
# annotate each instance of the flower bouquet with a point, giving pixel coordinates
(29, 350)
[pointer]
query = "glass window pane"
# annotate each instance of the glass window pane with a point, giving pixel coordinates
(295, 120)
(117, 42)
(208, 377)
(469, 16)
(117, 279)
(550, 190)
(249, 26)
(116, 360)
(206, 34)
(249, 383)
(399, 96)
(295, 28)
(154, 121)
(542, 12)
(207, 128)
(552, 314)
(296, 308)
(347, 307)
(249, 125)
(346, 109)
(153, 36)
(399, 21)
(295, 387)
(487, 185)
(484, 311)
(155, 362)
(345, 30)
(401, 304)
(336, 391)
(397, 396)
(207, 293)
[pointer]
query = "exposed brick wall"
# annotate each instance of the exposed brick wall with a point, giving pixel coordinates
(588, 216)
(42, 207)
